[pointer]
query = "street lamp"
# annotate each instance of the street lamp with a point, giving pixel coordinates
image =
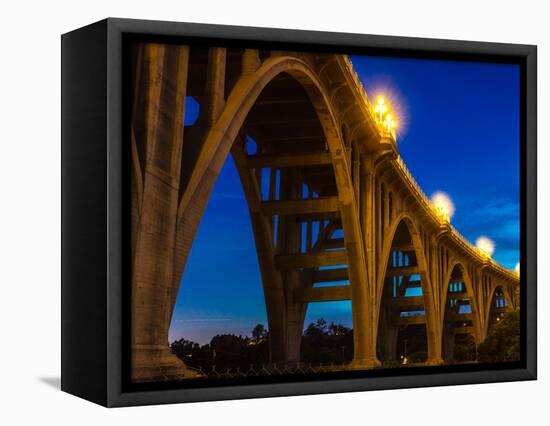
(389, 123)
(444, 207)
(485, 246)
(381, 109)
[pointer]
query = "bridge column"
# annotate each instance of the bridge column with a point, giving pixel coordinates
(289, 240)
(364, 302)
(479, 293)
(250, 61)
(435, 343)
(160, 87)
(388, 333)
(363, 331)
(212, 102)
(263, 237)
(449, 345)
(434, 329)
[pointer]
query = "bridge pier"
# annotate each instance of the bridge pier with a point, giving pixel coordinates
(364, 337)
(388, 339)
(434, 333)
(435, 356)
(161, 79)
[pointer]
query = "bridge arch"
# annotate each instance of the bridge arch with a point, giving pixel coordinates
(457, 324)
(402, 260)
(498, 303)
(285, 326)
(239, 103)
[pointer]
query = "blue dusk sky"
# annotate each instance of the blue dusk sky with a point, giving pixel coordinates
(458, 132)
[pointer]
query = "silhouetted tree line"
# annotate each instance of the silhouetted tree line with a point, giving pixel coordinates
(325, 344)
(332, 343)
(322, 343)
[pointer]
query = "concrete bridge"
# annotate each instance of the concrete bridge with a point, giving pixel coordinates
(335, 212)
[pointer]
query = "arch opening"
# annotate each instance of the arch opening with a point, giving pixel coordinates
(292, 167)
(286, 169)
(218, 329)
(402, 326)
(459, 336)
(498, 307)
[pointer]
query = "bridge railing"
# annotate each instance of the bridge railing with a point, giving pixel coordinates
(412, 181)
(359, 86)
(365, 98)
(429, 206)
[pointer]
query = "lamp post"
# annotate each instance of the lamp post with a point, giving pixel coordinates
(443, 205)
(381, 109)
(389, 123)
(485, 246)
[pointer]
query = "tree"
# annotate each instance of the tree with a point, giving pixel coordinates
(502, 344)
(259, 332)
(193, 354)
(337, 329)
(322, 344)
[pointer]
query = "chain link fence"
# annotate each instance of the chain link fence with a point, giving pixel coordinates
(266, 370)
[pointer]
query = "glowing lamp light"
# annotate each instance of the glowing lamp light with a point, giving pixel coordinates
(443, 205)
(384, 116)
(389, 123)
(485, 246)
(380, 109)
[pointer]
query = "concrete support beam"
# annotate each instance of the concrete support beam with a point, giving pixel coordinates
(456, 317)
(403, 247)
(416, 302)
(462, 330)
(330, 275)
(318, 217)
(461, 295)
(413, 284)
(323, 294)
(333, 243)
(412, 320)
(300, 207)
(288, 160)
(311, 260)
(404, 271)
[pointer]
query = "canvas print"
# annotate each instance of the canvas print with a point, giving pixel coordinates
(297, 214)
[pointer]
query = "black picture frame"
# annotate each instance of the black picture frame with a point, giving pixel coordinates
(95, 219)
